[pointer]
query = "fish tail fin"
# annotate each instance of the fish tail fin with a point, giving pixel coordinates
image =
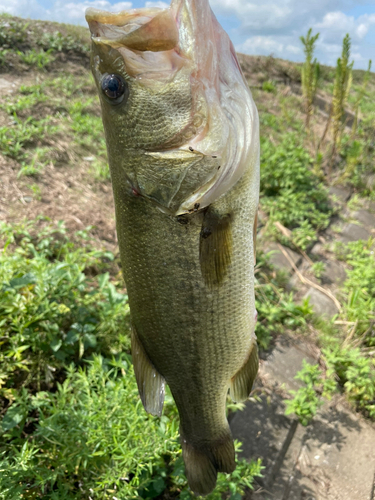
(242, 383)
(203, 462)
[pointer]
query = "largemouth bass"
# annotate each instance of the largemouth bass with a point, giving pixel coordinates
(182, 137)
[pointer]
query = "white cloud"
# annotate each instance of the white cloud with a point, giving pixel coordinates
(271, 26)
(61, 10)
(24, 8)
(338, 24)
(266, 45)
(162, 5)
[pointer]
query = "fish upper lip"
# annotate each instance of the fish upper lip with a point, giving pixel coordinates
(142, 30)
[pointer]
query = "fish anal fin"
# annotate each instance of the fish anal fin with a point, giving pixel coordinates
(202, 463)
(215, 248)
(242, 383)
(151, 385)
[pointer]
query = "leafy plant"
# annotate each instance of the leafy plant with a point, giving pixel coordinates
(57, 42)
(13, 32)
(310, 74)
(269, 86)
(360, 289)
(291, 194)
(341, 88)
(276, 308)
(360, 97)
(318, 269)
(49, 311)
(39, 59)
(306, 401)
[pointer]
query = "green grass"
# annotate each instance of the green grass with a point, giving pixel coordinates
(347, 365)
(72, 423)
(70, 114)
(290, 192)
(38, 59)
(277, 310)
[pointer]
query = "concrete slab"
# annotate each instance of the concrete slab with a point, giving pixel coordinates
(366, 218)
(278, 259)
(320, 303)
(353, 232)
(341, 193)
(285, 361)
(266, 433)
(338, 454)
(331, 459)
(334, 273)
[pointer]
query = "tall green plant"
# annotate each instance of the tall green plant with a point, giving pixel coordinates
(310, 74)
(361, 94)
(341, 89)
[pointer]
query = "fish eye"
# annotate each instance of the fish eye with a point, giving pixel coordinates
(114, 88)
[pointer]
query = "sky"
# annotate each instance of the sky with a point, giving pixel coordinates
(257, 27)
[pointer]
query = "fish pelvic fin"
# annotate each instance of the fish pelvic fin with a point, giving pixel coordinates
(242, 383)
(151, 385)
(215, 247)
(203, 462)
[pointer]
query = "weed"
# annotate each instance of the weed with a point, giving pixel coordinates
(306, 401)
(291, 194)
(39, 59)
(35, 188)
(13, 33)
(269, 86)
(341, 88)
(318, 269)
(361, 95)
(360, 289)
(100, 170)
(276, 309)
(57, 42)
(35, 165)
(310, 74)
(49, 310)
(94, 431)
(28, 98)
(3, 56)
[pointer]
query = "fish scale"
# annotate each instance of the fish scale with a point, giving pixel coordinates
(183, 150)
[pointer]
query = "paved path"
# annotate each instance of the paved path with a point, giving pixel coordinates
(331, 459)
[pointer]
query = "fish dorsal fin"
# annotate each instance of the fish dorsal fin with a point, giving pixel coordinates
(151, 385)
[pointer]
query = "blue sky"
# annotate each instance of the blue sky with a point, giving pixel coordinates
(256, 27)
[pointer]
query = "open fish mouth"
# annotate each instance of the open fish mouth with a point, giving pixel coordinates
(157, 46)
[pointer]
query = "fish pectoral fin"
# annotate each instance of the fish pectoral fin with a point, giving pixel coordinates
(151, 385)
(202, 463)
(215, 247)
(242, 383)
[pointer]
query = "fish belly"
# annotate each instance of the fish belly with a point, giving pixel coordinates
(196, 336)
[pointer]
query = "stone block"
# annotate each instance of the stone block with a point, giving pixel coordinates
(341, 193)
(334, 273)
(353, 232)
(320, 303)
(285, 361)
(278, 259)
(366, 218)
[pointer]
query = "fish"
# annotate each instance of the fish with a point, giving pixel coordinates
(182, 136)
